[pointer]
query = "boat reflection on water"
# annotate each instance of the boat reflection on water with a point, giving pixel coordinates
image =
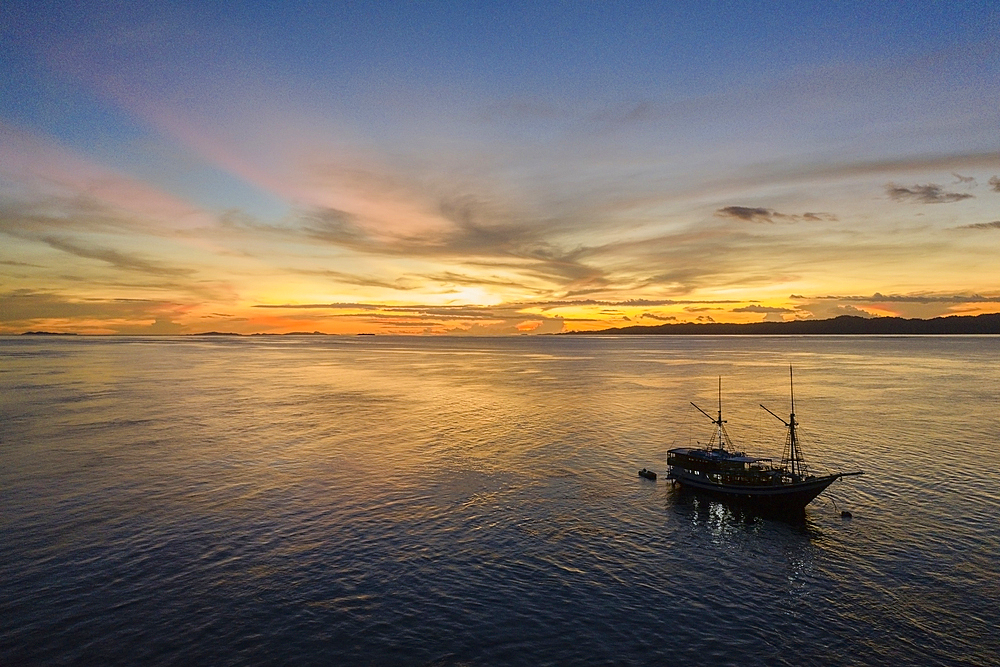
(722, 515)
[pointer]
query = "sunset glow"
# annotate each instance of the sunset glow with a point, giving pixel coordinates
(485, 169)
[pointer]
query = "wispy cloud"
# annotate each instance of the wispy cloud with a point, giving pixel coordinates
(878, 167)
(995, 183)
(477, 234)
(465, 319)
(758, 214)
(344, 278)
(995, 224)
(906, 298)
(925, 194)
(27, 308)
(547, 316)
(26, 219)
(754, 308)
(10, 262)
(53, 184)
(747, 213)
(337, 227)
(464, 310)
(116, 258)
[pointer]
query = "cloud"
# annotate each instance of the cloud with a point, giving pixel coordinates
(115, 258)
(10, 262)
(753, 214)
(453, 319)
(762, 309)
(982, 225)
(447, 312)
(837, 170)
(925, 194)
(631, 302)
(63, 186)
(967, 180)
(477, 233)
(837, 311)
(43, 215)
(906, 298)
(747, 213)
(507, 238)
(995, 183)
(352, 279)
(26, 308)
(819, 217)
(334, 226)
(65, 223)
(511, 314)
(452, 278)
(899, 305)
(509, 327)
(160, 325)
(771, 313)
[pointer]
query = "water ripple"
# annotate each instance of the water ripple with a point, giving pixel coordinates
(470, 502)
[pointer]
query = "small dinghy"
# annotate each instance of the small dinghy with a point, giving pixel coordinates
(648, 474)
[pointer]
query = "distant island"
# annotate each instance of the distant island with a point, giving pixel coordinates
(47, 333)
(843, 325)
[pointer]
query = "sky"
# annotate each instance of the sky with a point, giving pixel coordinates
(493, 168)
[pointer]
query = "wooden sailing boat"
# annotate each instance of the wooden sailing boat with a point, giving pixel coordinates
(719, 470)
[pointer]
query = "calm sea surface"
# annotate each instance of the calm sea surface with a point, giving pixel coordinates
(412, 501)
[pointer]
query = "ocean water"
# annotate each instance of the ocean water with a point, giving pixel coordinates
(429, 501)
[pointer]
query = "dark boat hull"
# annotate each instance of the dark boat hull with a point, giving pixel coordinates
(778, 497)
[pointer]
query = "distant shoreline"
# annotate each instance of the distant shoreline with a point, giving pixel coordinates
(183, 335)
(844, 325)
(850, 325)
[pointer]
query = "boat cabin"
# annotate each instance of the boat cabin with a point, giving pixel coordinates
(718, 466)
(711, 460)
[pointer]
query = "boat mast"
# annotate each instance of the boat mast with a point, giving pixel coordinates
(719, 421)
(793, 444)
(791, 457)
